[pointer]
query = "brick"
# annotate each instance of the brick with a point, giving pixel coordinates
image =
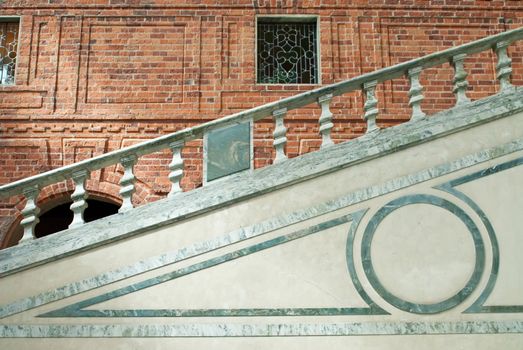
(156, 69)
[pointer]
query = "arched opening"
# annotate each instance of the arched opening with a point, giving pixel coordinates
(59, 217)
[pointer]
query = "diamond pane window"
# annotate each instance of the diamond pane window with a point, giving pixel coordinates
(287, 51)
(8, 49)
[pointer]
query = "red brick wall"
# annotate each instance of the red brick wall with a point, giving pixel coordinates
(94, 76)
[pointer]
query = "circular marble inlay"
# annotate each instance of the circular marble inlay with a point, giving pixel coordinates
(422, 254)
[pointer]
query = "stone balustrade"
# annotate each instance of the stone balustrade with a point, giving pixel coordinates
(127, 157)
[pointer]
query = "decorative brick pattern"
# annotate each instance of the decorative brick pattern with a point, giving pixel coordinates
(94, 78)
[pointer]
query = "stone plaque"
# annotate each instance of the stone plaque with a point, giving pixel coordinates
(227, 151)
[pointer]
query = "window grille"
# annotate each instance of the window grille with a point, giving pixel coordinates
(287, 52)
(8, 50)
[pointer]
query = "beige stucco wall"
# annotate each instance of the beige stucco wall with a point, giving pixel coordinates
(421, 253)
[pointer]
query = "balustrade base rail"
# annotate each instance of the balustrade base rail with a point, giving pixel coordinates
(127, 157)
(242, 186)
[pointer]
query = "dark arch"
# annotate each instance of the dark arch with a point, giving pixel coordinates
(59, 217)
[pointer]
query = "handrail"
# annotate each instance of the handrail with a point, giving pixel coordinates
(277, 110)
(257, 113)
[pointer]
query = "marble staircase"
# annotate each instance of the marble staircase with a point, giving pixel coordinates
(405, 237)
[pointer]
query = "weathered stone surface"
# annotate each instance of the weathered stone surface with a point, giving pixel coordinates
(242, 186)
(391, 234)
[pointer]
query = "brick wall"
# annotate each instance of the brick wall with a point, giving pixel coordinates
(95, 76)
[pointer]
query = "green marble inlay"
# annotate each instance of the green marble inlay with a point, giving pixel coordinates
(259, 329)
(394, 300)
(228, 151)
(478, 305)
(76, 309)
(349, 253)
(235, 236)
(342, 202)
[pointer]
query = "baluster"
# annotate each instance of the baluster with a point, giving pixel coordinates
(371, 102)
(176, 167)
(504, 66)
(325, 120)
(415, 94)
(279, 134)
(127, 182)
(460, 79)
(79, 196)
(30, 213)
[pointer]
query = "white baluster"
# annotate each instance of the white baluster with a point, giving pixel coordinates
(460, 79)
(415, 94)
(280, 140)
(325, 120)
(176, 167)
(30, 213)
(79, 196)
(127, 182)
(504, 66)
(370, 107)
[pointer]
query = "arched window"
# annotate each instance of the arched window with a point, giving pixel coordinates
(57, 217)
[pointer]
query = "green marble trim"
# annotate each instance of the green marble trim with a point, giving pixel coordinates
(245, 312)
(267, 226)
(260, 330)
(77, 309)
(449, 187)
(402, 304)
(245, 185)
(349, 254)
(482, 173)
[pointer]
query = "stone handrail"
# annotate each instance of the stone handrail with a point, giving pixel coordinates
(79, 172)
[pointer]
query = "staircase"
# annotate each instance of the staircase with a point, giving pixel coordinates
(201, 258)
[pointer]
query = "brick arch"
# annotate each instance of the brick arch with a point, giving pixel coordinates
(104, 190)
(110, 191)
(49, 198)
(12, 231)
(56, 194)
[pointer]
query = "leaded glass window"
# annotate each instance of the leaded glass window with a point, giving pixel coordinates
(287, 52)
(8, 49)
